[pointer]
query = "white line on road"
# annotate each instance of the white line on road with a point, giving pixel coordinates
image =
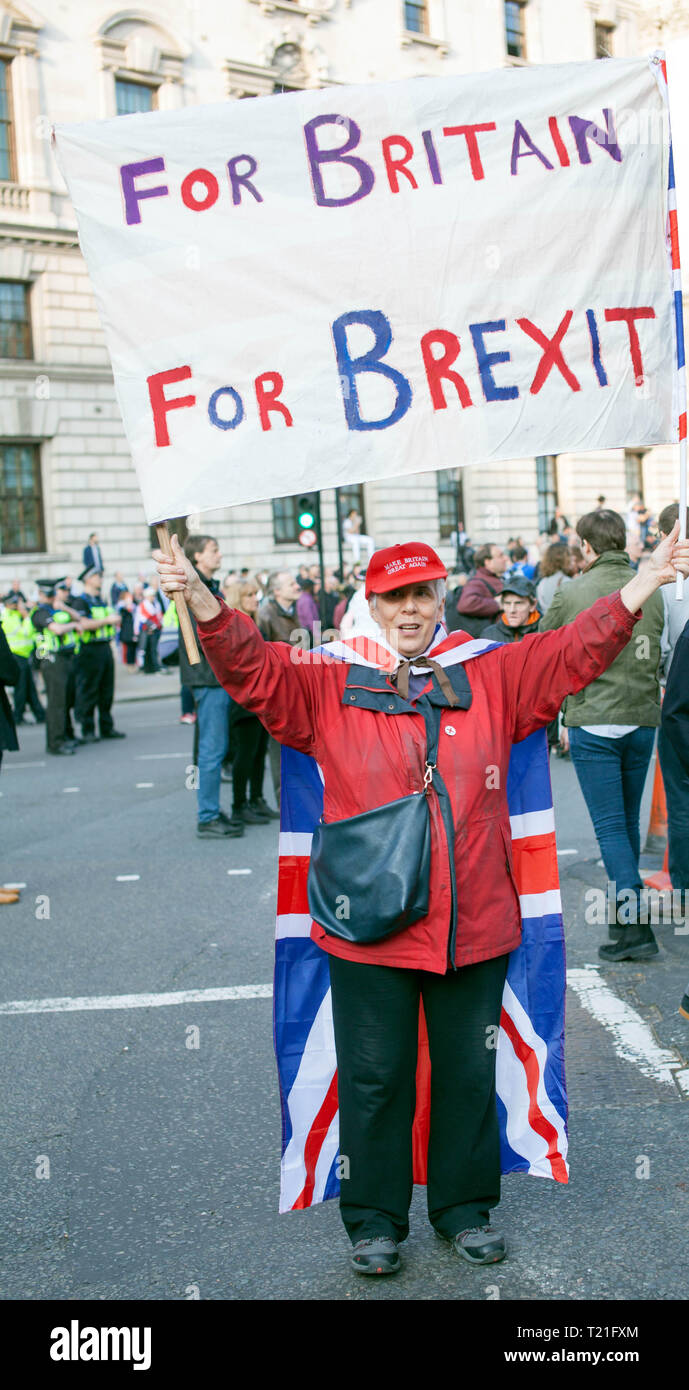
(568, 851)
(70, 789)
(152, 757)
(135, 1001)
(14, 885)
(144, 784)
(13, 766)
(240, 871)
(632, 1038)
(127, 878)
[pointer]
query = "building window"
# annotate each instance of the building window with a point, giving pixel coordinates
(634, 472)
(177, 526)
(285, 525)
(604, 40)
(134, 96)
(21, 501)
(450, 501)
(15, 324)
(349, 497)
(416, 17)
(6, 145)
(546, 486)
(514, 28)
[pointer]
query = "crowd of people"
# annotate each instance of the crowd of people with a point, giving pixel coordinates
(64, 635)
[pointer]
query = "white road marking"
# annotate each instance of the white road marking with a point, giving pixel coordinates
(632, 1038)
(152, 757)
(14, 885)
(135, 1001)
(240, 871)
(144, 784)
(70, 789)
(10, 766)
(127, 878)
(568, 851)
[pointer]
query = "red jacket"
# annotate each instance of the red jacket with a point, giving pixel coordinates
(371, 750)
(475, 597)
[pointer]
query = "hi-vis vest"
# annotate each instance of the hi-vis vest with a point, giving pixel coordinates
(170, 618)
(19, 632)
(99, 634)
(48, 643)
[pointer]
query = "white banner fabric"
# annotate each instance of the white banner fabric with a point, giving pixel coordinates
(362, 282)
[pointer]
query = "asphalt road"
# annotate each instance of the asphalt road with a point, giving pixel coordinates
(137, 1166)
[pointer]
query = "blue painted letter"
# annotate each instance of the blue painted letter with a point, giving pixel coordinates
(349, 367)
(487, 360)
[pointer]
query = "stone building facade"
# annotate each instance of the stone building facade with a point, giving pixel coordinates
(65, 468)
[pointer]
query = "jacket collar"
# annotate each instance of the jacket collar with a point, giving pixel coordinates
(610, 557)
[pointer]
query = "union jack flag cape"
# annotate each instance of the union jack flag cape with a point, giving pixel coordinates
(531, 1094)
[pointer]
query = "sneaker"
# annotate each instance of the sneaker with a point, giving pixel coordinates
(114, 733)
(187, 719)
(250, 816)
(684, 1006)
(260, 804)
(64, 751)
(635, 943)
(480, 1245)
(376, 1256)
(235, 823)
(212, 829)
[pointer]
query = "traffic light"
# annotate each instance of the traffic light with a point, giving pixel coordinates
(308, 511)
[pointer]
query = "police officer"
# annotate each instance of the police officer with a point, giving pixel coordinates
(95, 667)
(57, 629)
(21, 637)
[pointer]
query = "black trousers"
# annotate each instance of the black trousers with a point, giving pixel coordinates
(676, 785)
(249, 741)
(95, 687)
(25, 691)
(376, 1019)
(60, 690)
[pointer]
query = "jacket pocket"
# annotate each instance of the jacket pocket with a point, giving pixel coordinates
(509, 863)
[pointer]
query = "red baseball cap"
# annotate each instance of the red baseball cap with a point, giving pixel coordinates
(397, 565)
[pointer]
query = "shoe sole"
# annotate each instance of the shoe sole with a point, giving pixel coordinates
(377, 1270)
(634, 953)
(484, 1260)
(683, 1012)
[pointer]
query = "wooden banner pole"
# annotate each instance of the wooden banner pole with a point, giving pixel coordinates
(185, 626)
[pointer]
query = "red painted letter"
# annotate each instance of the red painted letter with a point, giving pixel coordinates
(552, 353)
(393, 167)
(627, 316)
(438, 368)
(160, 406)
(469, 133)
(268, 387)
(210, 183)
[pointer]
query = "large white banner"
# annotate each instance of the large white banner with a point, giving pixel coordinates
(361, 282)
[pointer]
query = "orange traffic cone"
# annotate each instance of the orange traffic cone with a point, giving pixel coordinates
(660, 880)
(656, 838)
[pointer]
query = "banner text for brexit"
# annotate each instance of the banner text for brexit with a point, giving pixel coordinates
(439, 350)
(268, 394)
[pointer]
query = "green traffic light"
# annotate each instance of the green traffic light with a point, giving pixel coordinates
(306, 520)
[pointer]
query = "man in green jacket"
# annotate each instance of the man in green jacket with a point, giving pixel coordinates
(612, 725)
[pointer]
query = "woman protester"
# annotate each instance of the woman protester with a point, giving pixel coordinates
(435, 927)
(248, 736)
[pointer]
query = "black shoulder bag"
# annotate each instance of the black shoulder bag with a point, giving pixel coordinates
(369, 875)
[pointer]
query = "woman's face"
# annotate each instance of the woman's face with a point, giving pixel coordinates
(249, 601)
(408, 617)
